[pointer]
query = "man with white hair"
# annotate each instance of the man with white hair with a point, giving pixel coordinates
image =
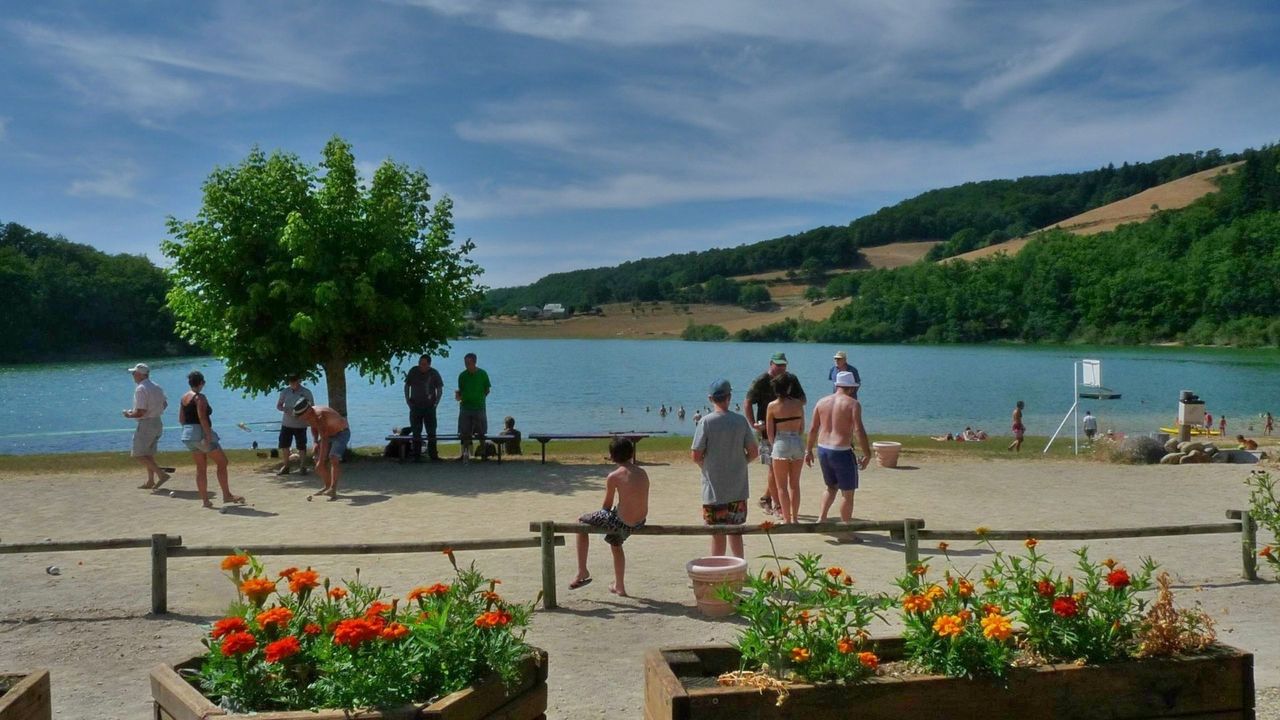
(842, 365)
(149, 404)
(837, 419)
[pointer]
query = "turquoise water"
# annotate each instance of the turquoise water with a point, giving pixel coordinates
(579, 385)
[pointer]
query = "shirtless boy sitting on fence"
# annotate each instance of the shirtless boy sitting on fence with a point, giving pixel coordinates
(629, 484)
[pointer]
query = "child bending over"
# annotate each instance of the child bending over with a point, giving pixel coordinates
(629, 485)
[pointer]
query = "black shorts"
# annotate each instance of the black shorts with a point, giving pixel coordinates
(297, 435)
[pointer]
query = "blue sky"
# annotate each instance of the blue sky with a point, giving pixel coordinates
(576, 134)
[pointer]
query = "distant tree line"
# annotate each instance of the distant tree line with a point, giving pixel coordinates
(964, 217)
(1209, 273)
(64, 300)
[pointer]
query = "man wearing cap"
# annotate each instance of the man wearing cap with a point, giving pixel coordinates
(837, 419)
(149, 404)
(723, 447)
(331, 434)
(842, 365)
(759, 395)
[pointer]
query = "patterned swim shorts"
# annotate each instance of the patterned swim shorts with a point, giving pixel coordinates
(609, 519)
(733, 513)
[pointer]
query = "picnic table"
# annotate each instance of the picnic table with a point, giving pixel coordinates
(633, 435)
(404, 442)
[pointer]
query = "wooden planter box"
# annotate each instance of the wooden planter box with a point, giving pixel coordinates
(177, 699)
(680, 685)
(25, 697)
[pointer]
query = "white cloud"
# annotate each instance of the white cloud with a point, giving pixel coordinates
(113, 182)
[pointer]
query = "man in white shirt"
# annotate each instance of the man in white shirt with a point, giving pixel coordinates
(149, 404)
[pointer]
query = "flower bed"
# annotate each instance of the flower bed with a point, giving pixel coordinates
(25, 697)
(681, 684)
(296, 643)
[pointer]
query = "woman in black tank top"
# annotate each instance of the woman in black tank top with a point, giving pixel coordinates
(198, 435)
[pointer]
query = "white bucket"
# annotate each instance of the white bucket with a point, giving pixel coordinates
(887, 453)
(709, 573)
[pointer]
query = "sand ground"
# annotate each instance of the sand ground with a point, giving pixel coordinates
(91, 626)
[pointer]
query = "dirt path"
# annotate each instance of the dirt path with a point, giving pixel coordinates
(90, 623)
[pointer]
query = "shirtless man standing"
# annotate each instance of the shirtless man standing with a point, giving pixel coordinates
(331, 434)
(837, 418)
(1018, 428)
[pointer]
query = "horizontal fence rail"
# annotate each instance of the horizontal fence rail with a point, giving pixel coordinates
(77, 545)
(1109, 533)
(824, 528)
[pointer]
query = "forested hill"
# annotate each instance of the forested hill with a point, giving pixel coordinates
(64, 300)
(966, 217)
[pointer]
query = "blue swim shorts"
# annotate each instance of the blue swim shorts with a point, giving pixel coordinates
(839, 468)
(338, 444)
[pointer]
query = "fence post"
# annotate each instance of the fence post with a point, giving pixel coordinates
(548, 565)
(159, 574)
(911, 540)
(1249, 545)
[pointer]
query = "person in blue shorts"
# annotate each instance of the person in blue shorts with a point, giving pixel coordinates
(837, 420)
(331, 434)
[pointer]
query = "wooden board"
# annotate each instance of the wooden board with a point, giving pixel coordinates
(27, 698)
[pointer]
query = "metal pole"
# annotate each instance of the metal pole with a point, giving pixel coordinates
(159, 574)
(1075, 404)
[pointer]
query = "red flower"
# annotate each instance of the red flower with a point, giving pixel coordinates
(493, 619)
(1265, 552)
(1066, 606)
(234, 562)
(283, 648)
(869, 660)
(287, 572)
(377, 607)
(1030, 543)
(845, 645)
(337, 593)
(768, 525)
(354, 632)
(277, 616)
(835, 572)
(238, 643)
(226, 626)
(436, 590)
(394, 631)
(1045, 588)
(311, 629)
(303, 580)
(1118, 578)
(257, 589)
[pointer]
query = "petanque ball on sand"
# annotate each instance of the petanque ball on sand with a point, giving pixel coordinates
(173, 493)
(294, 457)
(53, 570)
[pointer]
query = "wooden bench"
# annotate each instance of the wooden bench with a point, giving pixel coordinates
(404, 442)
(634, 437)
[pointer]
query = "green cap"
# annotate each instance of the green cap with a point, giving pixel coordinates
(779, 359)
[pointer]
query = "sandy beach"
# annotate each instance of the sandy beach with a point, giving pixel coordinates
(90, 624)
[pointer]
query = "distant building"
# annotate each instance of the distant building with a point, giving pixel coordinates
(529, 312)
(554, 311)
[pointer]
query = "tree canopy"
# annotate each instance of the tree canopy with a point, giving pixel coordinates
(289, 268)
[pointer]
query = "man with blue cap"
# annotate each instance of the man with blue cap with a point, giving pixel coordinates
(723, 446)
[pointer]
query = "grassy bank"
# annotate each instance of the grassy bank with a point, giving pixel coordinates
(664, 449)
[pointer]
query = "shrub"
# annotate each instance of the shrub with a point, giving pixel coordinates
(706, 333)
(952, 629)
(1264, 507)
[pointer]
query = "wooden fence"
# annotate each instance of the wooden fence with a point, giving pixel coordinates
(908, 531)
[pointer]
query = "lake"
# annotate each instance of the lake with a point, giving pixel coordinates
(580, 385)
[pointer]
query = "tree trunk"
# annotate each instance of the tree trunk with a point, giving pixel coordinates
(335, 377)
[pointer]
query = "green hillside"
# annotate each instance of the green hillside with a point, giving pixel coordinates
(967, 216)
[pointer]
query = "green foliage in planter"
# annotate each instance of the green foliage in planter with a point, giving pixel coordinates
(1264, 507)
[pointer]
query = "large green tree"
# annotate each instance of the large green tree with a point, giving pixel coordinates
(289, 268)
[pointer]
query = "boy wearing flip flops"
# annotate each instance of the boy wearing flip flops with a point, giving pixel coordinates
(629, 485)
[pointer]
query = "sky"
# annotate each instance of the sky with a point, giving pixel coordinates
(573, 133)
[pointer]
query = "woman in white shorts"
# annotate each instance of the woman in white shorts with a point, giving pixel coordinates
(202, 441)
(784, 424)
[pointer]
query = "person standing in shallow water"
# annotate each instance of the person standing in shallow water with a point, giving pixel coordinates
(1018, 428)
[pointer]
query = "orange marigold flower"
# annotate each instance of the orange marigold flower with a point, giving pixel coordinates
(916, 603)
(234, 562)
(490, 596)
(845, 645)
(799, 654)
(943, 546)
(238, 643)
(1110, 563)
(337, 593)
(257, 589)
(1118, 578)
(1045, 588)
(848, 579)
(965, 588)
(276, 616)
(287, 572)
(996, 627)
(493, 619)
(835, 572)
(303, 580)
(1030, 543)
(935, 593)
(768, 525)
(869, 660)
(769, 576)
(354, 632)
(394, 631)
(991, 609)
(1265, 552)
(436, 590)
(1066, 606)
(283, 648)
(919, 569)
(226, 626)
(377, 607)
(311, 629)
(786, 571)
(803, 618)
(948, 625)
(966, 615)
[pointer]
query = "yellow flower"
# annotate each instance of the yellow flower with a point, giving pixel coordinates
(996, 627)
(965, 588)
(799, 654)
(948, 625)
(982, 530)
(935, 593)
(916, 603)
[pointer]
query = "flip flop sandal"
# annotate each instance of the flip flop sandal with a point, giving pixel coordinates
(579, 583)
(233, 500)
(160, 482)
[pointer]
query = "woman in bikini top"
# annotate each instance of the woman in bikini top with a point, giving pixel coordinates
(784, 422)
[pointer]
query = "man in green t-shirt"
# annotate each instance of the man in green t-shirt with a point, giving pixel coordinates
(473, 387)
